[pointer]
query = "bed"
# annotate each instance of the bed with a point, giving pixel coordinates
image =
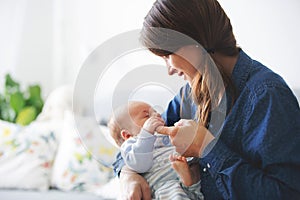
(57, 157)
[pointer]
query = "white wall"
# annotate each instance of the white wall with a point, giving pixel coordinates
(47, 41)
(269, 32)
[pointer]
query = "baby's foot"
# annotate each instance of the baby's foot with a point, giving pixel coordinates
(182, 168)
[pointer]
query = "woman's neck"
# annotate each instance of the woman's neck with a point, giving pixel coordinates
(227, 62)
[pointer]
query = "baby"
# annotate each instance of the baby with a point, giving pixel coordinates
(145, 151)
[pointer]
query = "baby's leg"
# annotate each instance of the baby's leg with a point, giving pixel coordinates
(182, 168)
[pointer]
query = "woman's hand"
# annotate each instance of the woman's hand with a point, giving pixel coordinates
(189, 138)
(133, 186)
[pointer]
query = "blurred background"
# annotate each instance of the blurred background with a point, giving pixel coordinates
(47, 41)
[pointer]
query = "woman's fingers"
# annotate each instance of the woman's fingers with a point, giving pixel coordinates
(165, 130)
(133, 186)
(188, 137)
(172, 130)
(146, 192)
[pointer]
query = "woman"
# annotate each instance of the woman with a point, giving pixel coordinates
(251, 118)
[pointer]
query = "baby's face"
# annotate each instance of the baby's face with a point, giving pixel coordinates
(139, 112)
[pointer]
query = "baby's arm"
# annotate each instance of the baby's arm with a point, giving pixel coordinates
(189, 175)
(138, 152)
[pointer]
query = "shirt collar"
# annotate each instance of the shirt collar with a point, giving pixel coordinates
(241, 71)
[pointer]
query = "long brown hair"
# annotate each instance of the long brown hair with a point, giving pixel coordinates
(205, 23)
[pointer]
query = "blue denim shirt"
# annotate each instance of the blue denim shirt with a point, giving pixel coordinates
(257, 155)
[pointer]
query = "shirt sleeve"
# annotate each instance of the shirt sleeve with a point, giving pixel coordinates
(267, 165)
(138, 152)
(193, 191)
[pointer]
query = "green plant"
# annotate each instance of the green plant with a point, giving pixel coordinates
(21, 107)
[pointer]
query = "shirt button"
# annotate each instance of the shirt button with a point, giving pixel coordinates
(204, 169)
(208, 165)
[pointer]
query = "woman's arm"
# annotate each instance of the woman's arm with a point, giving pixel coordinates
(260, 161)
(257, 160)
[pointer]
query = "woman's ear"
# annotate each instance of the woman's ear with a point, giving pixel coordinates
(125, 134)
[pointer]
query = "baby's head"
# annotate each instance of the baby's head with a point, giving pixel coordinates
(128, 120)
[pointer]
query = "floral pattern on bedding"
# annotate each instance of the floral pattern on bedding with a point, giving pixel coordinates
(76, 167)
(26, 155)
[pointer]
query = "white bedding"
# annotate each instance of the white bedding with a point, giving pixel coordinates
(107, 192)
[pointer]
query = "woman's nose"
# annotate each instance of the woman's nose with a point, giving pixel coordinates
(171, 70)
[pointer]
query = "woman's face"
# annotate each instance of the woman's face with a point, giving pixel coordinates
(183, 62)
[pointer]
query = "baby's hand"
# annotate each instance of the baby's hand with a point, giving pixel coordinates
(152, 123)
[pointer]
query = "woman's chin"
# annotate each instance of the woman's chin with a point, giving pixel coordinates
(188, 80)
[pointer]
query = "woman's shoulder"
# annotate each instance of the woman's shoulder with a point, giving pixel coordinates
(262, 79)
(265, 86)
(267, 78)
(254, 80)
(251, 76)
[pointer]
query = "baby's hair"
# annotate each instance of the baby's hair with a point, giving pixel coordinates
(115, 130)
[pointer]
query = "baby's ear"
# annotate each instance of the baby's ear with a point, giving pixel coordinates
(125, 134)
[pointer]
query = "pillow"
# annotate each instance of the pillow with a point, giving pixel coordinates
(77, 165)
(26, 155)
(58, 101)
